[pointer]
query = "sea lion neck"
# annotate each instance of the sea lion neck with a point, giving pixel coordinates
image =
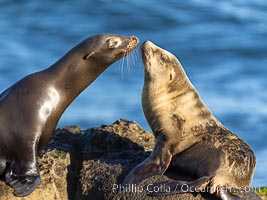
(165, 107)
(69, 68)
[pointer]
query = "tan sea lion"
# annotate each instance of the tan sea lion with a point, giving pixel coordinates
(30, 109)
(188, 136)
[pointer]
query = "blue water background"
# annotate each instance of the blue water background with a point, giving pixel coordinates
(221, 44)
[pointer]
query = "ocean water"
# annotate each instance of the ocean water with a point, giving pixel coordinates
(221, 44)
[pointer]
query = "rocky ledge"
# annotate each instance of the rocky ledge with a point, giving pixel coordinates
(91, 164)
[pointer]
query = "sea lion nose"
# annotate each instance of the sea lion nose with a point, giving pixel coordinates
(135, 39)
(149, 43)
(146, 48)
(133, 42)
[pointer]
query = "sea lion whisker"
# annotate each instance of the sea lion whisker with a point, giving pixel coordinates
(134, 55)
(127, 57)
(121, 67)
(128, 62)
(137, 53)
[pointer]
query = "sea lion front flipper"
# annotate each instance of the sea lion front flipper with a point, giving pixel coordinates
(24, 185)
(22, 173)
(156, 163)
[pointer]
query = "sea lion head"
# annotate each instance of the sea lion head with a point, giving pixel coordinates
(161, 67)
(169, 99)
(92, 56)
(164, 80)
(106, 48)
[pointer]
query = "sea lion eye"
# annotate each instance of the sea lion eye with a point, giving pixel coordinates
(113, 42)
(170, 77)
(164, 58)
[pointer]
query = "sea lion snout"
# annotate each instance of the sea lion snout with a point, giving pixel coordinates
(148, 53)
(157, 62)
(108, 48)
(153, 47)
(134, 39)
(122, 41)
(146, 49)
(149, 43)
(150, 50)
(133, 42)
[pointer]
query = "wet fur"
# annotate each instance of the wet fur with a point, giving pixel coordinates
(31, 108)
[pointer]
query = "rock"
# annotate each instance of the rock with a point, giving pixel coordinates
(262, 192)
(91, 164)
(53, 170)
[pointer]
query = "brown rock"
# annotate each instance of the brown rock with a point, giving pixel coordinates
(91, 165)
(53, 170)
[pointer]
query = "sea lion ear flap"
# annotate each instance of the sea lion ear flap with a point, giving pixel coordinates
(88, 55)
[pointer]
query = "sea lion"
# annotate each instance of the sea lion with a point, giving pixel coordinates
(30, 109)
(188, 136)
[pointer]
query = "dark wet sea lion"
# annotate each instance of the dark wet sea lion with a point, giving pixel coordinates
(30, 109)
(188, 136)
